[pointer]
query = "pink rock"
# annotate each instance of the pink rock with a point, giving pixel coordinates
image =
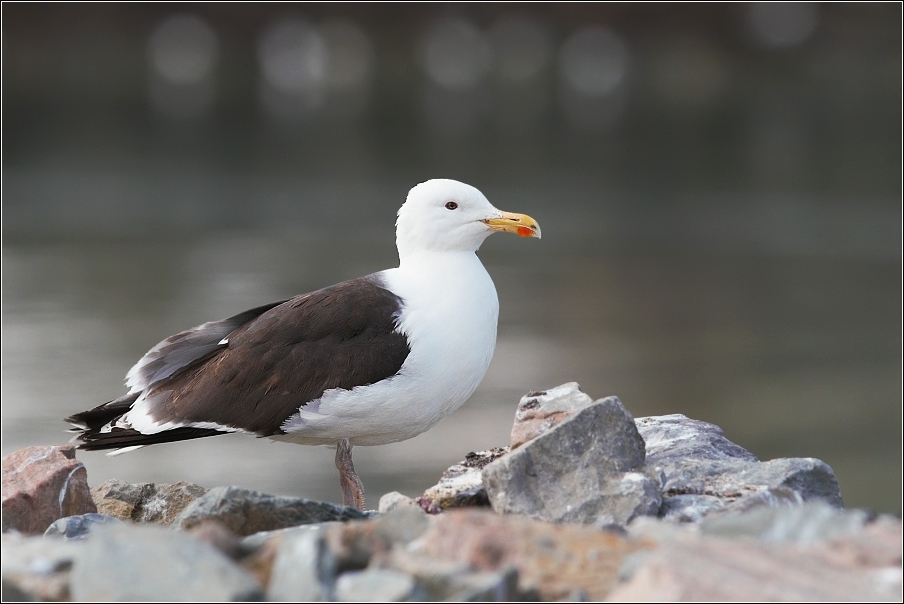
(729, 570)
(539, 412)
(41, 485)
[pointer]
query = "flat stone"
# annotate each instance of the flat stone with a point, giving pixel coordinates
(42, 485)
(377, 585)
(78, 527)
(148, 563)
(37, 567)
(577, 471)
(246, 512)
(145, 502)
(461, 486)
(553, 561)
(538, 412)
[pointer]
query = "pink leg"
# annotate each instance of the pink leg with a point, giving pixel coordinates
(352, 487)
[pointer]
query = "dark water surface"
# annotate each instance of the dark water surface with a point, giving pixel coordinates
(792, 354)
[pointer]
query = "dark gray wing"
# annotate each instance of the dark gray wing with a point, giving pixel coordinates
(187, 348)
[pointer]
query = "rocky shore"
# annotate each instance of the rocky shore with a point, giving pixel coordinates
(585, 503)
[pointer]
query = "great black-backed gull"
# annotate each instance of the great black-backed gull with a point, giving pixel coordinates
(370, 361)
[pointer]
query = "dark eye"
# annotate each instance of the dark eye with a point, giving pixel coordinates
(451, 205)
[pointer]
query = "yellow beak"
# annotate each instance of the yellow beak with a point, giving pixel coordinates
(519, 224)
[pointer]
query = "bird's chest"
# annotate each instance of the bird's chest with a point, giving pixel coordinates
(450, 324)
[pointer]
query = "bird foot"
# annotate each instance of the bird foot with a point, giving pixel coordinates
(352, 487)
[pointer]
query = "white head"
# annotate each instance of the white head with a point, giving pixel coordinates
(443, 215)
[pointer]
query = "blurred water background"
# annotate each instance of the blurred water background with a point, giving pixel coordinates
(719, 188)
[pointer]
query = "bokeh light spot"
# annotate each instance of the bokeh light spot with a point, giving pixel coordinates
(594, 61)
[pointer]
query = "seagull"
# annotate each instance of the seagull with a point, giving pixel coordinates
(374, 360)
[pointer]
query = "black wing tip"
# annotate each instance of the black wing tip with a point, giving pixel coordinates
(120, 438)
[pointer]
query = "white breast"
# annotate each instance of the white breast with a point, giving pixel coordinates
(449, 316)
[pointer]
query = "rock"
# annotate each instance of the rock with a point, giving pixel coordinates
(145, 502)
(735, 485)
(377, 585)
(444, 580)
(578, 471)
(393, 500)
(461, 485)
(715, 569)
(37, 567)
(553, 561)
(304, 569)
(810, 522)
(354, 545)
(676, 436)
(538, 412)
(41, 485)
(78, 527)
(705, 473)
(219, 537)
(245, 512)
(147, 563)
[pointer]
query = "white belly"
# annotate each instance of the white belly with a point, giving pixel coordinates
(450, 320)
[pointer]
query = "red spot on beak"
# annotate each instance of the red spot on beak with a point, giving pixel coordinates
(524, 232)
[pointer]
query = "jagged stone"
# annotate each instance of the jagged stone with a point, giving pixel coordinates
(145, 502)
(149, 563)
(42, 485)
(461, 486)
(705, 473)
(578, 471)
(676, 436)
(78, 527)
(245, 512)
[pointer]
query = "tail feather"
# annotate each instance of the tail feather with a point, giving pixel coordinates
(94, 419)
(119, 438)
(91, 434)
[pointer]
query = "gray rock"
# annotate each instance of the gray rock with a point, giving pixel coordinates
(445, 580)
(804, 524)
(705, 473)
(304, 569)
(145, 502)
(743, 484)
(676, 436)
(37, 567)
(487, 587)
(578, 471)
(78, 527)
(257, 540)
(461, 486)
(377, 585)
(246, 512)
(128, 562)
